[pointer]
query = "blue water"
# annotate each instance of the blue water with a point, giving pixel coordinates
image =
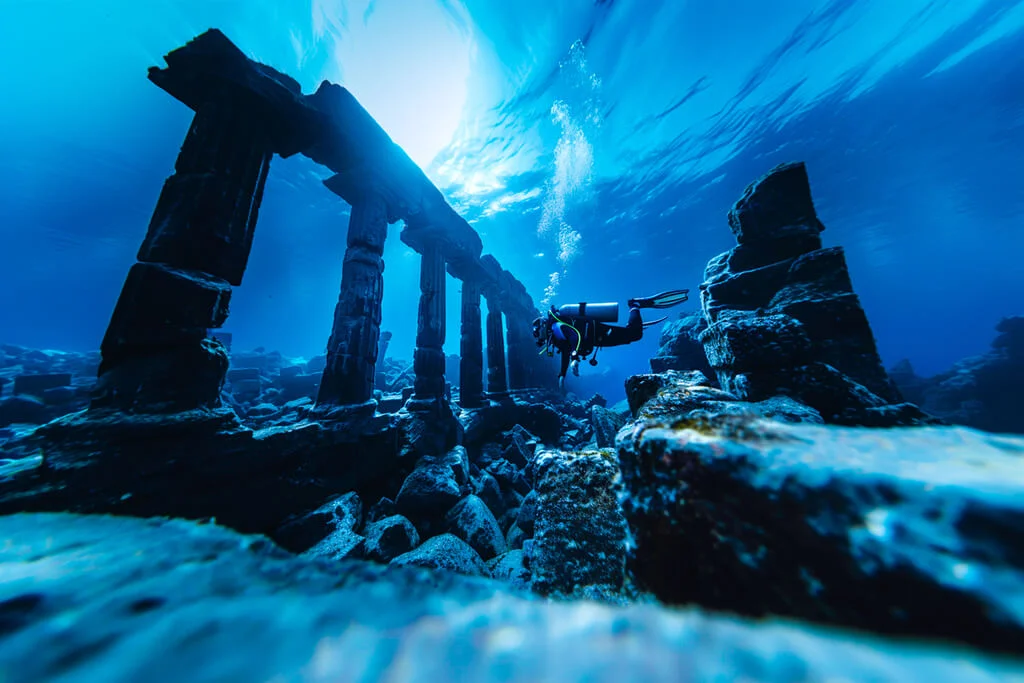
(596, 147)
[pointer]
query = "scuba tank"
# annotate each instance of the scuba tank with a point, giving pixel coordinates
(602, 313)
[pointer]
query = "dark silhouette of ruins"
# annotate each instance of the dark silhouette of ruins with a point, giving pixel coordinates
(157, 353)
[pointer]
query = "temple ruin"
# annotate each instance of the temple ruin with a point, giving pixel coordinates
(157, 355)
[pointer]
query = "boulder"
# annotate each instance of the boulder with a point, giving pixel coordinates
(306, 530)
(606, 424)
(428, 492)
(527, 513)
(38, 384)
(510, 567)
(910, 532)
(474, 523)
(388, 538)
(22, 410)
(489, 491)
(447, 552)
(579, 534)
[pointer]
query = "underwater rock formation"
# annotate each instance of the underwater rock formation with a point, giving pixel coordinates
(782, 315)
(162, 601)
(983, 391)
(912, 532)
(680, 347)
(688, 396)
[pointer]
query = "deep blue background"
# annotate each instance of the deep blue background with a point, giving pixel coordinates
(618, 133)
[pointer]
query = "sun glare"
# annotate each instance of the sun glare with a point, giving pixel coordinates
(405, 62)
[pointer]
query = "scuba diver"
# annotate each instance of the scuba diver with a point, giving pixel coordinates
(577, 330)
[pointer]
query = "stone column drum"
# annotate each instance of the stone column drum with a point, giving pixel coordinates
(156, 354)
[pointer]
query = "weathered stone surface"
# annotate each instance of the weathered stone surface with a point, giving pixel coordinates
(38, 384)
(758, 343)
(430, 331)
(677, 396)
(447, 552)
(162, 306)
(579, 532)
(497, 381)
(489, 491)
(473, 522)
(510, 567)
(486, 424)
(680, 347)
(781, 310)
(162, 601)
(22, 410)
(206, 215)
(342, 543)
(471, 364)
(776, 205)
(914, 531)
(527, 513)
(177, 379)
(428, 492)
(200, 465)
(385, 507)
(606, 424)
(388, 538)
(350, 371)
(305, 531)
(515, 537)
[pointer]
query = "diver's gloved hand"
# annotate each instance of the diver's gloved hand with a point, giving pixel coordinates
(561, 382)
(576, 367)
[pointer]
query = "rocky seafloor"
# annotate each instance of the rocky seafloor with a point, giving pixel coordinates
(767, 504)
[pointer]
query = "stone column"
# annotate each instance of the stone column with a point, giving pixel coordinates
(471, 364)
(156, 354)
(496, 379)
(349, 375)
(516, 361)
(428, 360)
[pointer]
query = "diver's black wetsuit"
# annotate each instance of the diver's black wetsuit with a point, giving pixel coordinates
(576, 338)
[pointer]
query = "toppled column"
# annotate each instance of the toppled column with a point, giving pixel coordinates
(352, 349)
(496, 380)
(428, 361)
(156, 354)
(471, 365)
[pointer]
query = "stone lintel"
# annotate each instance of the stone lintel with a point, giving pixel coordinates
(210, 68)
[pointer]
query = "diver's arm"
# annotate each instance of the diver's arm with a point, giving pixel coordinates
(564, 356)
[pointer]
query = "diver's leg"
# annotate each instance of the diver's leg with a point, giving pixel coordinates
(617, 335)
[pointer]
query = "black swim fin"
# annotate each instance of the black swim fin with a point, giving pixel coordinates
(672, 297)
(655, 322)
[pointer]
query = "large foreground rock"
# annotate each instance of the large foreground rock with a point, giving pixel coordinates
(123, 600)
(909, 531)
(579, 533)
